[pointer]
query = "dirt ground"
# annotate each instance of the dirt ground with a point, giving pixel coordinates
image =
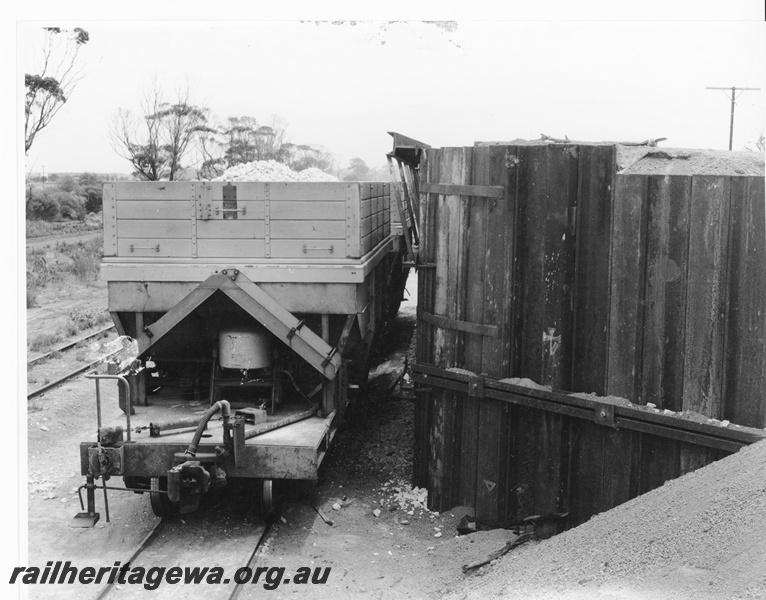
(383, 543)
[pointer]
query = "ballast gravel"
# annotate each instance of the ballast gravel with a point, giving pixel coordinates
(699, 537)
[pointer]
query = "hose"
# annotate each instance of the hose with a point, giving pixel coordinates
(224, 407)
(266, 427)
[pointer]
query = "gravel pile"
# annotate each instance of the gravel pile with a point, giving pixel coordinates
(698, 537)
(680, 161)
(271, 170)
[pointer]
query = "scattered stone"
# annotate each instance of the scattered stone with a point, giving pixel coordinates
(376, 512)
(336, 506)
(44, 428)
(438, 534)
(725, 423)
(404, 522)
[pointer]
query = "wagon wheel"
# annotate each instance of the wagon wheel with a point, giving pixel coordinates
(267, 497)
(161, 504)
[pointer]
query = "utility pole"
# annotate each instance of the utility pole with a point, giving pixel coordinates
(734, 96)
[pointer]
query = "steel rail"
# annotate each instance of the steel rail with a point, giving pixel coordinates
(104, 592)
(69, 375)
(144, 543)
(253, 558)
(69, 345)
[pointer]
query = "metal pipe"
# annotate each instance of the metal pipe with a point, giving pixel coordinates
(117, 489)
(121, 380)
(225, 408)
(106, 502)
(282, 423)
(90, 486)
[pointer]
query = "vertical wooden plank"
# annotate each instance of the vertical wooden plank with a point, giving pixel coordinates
(353, 219)
(591, 302)
(110, 220)
(491, 488)
(427, 277)
(745, 356)
(460, 173)
(627, 287)
(705, 310)
(540, 484)
(445, 435)
(665, 305)
(476, 229)
(559, 266)
(533, 204)
(620, 467)
(588, 459)
(425, 403)
(660, 462)
(420, 476)
(692, 457)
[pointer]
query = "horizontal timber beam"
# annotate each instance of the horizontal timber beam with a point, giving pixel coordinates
(451, 189)
(620, 415)
(457, 325)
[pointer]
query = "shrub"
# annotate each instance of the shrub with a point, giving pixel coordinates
(71, 206)
(85, 257)
(43, 340)
(93, 198)
(38, 271)
(41, 204)
(32, 290)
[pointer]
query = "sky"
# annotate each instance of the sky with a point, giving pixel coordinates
(344, 85)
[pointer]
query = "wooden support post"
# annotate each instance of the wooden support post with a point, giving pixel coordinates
(329, 388)
(117, 322)
(139, 382)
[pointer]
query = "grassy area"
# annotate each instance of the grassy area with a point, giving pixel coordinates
(66, 265)
(42, 229)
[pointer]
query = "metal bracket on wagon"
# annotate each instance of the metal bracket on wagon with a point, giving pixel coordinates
(259, 305)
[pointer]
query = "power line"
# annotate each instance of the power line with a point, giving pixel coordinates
(734, 96)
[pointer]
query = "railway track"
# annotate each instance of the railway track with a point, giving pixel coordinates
(48, 386)
(160, 547)
(69, 345)
(64, 378)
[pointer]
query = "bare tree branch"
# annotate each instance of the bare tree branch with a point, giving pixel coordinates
(48, 90)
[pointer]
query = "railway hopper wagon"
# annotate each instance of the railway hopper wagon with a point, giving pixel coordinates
(255, 307)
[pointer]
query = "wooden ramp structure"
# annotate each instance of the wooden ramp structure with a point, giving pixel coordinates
(635, 301)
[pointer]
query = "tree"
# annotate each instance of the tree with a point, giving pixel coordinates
(302, 156)
(359, 170)
(246, 140)
(180, 122)
(69, 184)
(157, 143)
(48, 90)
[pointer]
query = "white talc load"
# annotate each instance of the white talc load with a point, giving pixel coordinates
(271, 170)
